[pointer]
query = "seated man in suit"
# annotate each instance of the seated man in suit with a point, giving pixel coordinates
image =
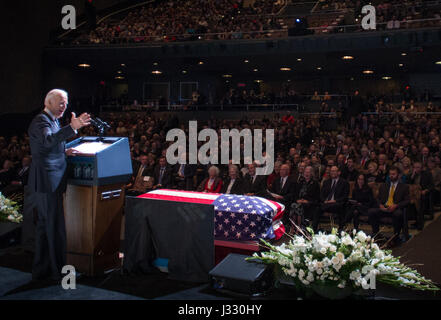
(163, 175)
(19, 178)
(424, 179)
(349, 173)
(255, 184)
(392, 198)
(333, 197)
(184, 174)
(140, 170)
(283, 189)
(234, 184)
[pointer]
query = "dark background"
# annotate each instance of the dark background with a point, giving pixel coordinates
(26, 28)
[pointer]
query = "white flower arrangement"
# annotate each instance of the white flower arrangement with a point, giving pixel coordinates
(9, 210)
(342, 261)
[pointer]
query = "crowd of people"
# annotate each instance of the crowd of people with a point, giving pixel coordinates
(400, 149)
(390, 14)
(190, 20)
(314, 166)
(237, 19)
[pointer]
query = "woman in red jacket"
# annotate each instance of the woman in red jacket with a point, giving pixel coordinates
(213, 183)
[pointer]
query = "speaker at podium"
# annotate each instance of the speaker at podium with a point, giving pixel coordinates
(94, 202)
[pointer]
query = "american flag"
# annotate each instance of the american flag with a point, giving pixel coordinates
(236, 217)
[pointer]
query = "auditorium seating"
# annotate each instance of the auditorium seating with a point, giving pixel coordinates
(252, 20)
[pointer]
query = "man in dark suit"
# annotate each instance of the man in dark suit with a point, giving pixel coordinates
(141, 170)
(19, 178)
(349, 173)
(163, 175)
(333, 197)
(184, 174)
(283, 189)
(393, 197)
(255, 184)
(424, 179)
(234, 184)
(47, 180)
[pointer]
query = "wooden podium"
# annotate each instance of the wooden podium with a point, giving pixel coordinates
(94, 202)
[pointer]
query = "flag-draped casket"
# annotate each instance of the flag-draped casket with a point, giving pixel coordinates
(237, 217)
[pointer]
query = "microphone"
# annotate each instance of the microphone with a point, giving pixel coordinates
(103, 123)
(94, 123)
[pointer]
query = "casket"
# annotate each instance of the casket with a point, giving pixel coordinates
(237, 217)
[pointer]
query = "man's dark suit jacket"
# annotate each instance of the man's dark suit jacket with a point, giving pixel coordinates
(189, 170)
(239, 186)
(341, 193)
(287, 192)
(426, 180)
(147, 171)
(167, 178)
(258, 187)
(47, 142)
(401, 194)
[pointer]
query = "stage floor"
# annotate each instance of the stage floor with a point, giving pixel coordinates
(16, 262)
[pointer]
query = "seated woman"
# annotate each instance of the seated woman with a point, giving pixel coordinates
(213, 183)
(372, 173)
(362, 200)
(307, 193)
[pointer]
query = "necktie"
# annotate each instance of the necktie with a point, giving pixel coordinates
(141, 168)
(181, 170)
(282, 183)
(390, 199)
(331, 193)
(160, 175)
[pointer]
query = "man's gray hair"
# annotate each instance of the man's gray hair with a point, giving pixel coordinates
(53, 93)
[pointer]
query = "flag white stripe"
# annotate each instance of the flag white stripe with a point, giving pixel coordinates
(282, 207)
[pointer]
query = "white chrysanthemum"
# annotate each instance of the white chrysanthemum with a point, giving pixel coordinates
(355, 275)
(361, 236)
(335, 261)
(347, 241)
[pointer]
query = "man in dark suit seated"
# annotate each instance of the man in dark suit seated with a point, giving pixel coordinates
(333, 198)
(163, 175)
(138, 185)
(349, 173)
(392, 198)
(255, 184)
(424, 179)
(19, 178)
(283, 189)
(234, 184)
(47, 180)
(184, 174)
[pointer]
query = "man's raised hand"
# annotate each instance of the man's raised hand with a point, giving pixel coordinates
(82, 121)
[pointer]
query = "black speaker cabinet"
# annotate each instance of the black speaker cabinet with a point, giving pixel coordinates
(10, 234)
(236, 275)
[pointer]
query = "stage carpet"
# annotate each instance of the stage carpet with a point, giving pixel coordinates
(424, 250)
